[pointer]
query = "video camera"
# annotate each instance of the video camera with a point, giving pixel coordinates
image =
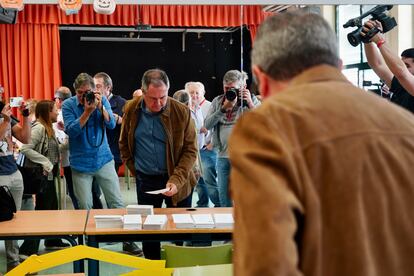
(377, 13)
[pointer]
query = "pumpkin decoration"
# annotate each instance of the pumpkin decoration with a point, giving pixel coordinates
(70, 6)
(12, 4)
(104, 6)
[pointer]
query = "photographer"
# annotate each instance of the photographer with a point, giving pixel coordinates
(86, 116)
(398, 74)
(224, 111)
(10, 176)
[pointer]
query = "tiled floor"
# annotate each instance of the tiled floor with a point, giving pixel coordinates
(129, 196)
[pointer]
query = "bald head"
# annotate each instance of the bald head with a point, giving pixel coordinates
(61, 94)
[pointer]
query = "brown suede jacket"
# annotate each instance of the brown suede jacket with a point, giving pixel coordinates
(181, 145)
(322, 182)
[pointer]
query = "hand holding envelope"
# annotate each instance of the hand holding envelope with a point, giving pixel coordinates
(170, 190)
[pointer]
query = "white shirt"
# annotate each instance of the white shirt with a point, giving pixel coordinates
(62, 138)
(205, 106)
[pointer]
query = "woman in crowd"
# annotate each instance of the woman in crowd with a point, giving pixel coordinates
(44, 150)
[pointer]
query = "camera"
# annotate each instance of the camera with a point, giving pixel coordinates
(377, 13)
(233, 93)
(89, 96)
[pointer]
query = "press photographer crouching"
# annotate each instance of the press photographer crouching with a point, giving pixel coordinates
(397, 73)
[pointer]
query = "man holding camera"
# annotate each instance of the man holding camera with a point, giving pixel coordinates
(397, 73)
(86, 116)
(224, 111)
(10, 176)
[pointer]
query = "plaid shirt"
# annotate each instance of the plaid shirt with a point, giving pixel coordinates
(53, 150)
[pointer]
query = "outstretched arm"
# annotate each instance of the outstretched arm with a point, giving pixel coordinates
(395, 65)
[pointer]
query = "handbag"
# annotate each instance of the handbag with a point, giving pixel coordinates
(32, 173)
(7, 204)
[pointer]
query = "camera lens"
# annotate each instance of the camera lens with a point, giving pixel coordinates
(231, 94)
(354, 37)
(89, 96)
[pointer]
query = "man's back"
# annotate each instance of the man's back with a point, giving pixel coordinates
(337, 179)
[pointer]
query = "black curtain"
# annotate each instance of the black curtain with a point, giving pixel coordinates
(206, 58)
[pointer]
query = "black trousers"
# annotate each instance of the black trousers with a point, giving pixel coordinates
(46, 199)
(146, 183)
(67, 171)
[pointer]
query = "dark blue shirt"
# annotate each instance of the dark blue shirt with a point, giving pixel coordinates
(86, 152)
(7, 163)
(400, 96)
(150, 143)
(117, 104)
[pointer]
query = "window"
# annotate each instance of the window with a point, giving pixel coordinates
(356, 68)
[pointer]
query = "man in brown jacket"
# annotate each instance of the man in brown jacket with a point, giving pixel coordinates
(158, 144)
(322, 177)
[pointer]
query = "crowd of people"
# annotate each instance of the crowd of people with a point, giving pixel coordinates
(320, 172)
(164, 144)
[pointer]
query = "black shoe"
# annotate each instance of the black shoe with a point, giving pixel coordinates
(132, 248)
(55, 244)
(23, 257)
(11, 266)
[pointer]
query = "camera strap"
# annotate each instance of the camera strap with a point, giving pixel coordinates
(103, 128)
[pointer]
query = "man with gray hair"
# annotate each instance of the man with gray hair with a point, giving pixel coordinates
(224, 111)
(158, 144)
(207, 184)
(321, 180)
(86, 115)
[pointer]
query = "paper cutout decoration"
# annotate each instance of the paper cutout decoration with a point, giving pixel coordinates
(104, 6)
(70, 6)
(12, 4)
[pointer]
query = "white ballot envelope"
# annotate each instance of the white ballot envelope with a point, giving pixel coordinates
(156, 192)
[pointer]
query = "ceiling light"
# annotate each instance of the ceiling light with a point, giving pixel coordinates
(119, 39)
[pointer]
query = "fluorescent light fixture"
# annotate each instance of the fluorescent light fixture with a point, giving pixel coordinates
(152, 30)
(119, 39)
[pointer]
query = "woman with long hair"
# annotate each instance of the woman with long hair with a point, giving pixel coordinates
(44, 150)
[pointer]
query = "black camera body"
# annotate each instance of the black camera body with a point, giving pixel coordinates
(89, 96)
(233, 93)
(377, 13)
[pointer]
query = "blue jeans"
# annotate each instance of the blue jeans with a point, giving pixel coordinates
(15, 183)
(202, 192)
(223, 174)
(209, 163)
(107, 179)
